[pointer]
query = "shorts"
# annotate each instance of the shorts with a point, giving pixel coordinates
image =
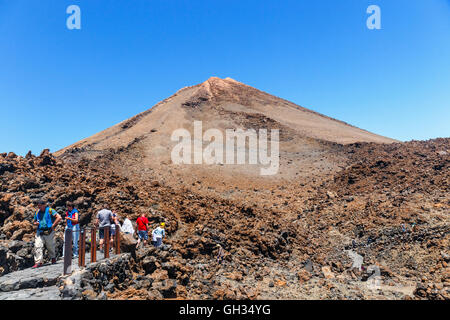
(101, 233)
(158, 242)
(143, 234)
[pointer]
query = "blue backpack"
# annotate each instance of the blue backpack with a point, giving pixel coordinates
(47, 219)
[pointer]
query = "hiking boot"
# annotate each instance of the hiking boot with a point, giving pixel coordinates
(37, 265)
(53, 260)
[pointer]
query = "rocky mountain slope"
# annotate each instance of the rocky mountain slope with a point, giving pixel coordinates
(140, 147)
(350, 214)
(389, 207)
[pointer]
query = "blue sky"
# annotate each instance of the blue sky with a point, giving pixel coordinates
(58, 86)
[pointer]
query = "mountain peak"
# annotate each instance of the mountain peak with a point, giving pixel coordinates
(218, 81)
(222, 103)
(213, 78)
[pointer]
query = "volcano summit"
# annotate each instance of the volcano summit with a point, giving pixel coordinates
(344, 202)
(142, 147)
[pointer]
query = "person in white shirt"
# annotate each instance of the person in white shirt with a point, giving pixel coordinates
(127, 226)
(158, 234)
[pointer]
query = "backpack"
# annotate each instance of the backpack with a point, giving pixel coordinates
(72, 223)
(47, 217)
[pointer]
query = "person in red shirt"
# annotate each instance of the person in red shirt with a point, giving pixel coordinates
(142, 225)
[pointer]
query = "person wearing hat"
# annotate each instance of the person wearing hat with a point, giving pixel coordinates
(158, 234)
(46, 219)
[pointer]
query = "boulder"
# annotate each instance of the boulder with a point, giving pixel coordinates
(331, 194)
(328, 274)
(127, 243)
(150, 264)
(303, 276)
(166, 287)
(6, 167)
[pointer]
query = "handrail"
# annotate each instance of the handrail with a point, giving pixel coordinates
(82, 245)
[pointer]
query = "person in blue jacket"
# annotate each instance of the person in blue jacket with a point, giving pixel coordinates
(46, 219)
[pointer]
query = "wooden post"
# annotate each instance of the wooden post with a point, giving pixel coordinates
(68, 251)
(93, 245)
(113, 239)
(117, 239)
(82, 249)
(106, 242)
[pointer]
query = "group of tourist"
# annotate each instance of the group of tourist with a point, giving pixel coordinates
(46, 219)
(142, 231)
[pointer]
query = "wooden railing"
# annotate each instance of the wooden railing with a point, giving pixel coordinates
(82, 246)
